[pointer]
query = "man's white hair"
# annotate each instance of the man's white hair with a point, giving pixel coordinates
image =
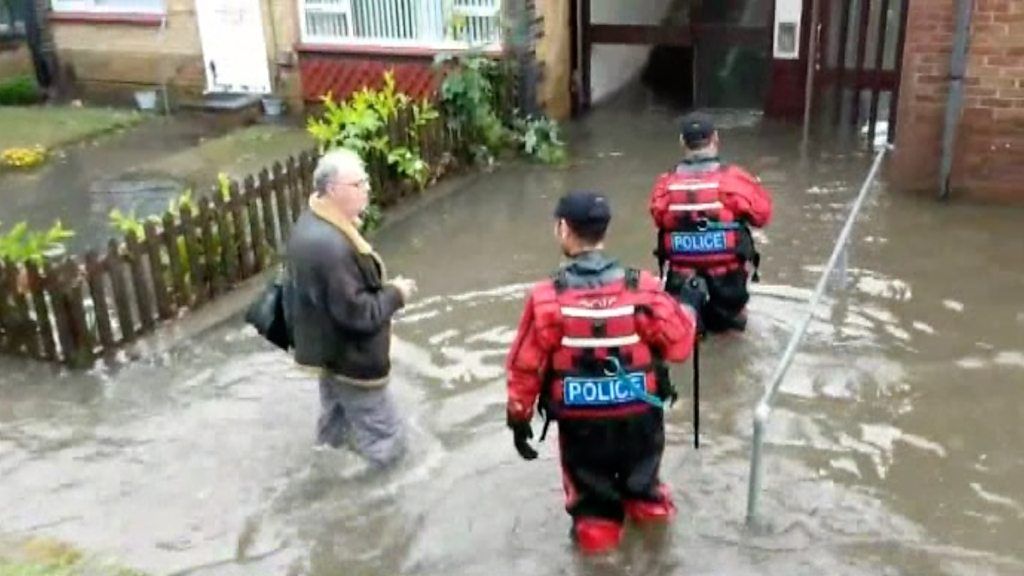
(333, 163)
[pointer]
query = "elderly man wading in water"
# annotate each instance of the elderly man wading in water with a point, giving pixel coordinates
(341, 304)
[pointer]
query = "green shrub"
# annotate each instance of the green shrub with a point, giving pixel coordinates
(361, 124)
(21, 244)
(474, 98)
(19, 90)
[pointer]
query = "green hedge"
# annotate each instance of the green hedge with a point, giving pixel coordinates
(19, 90)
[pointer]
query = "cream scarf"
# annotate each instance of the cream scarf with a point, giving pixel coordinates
(328, 212)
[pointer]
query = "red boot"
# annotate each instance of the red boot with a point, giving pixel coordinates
(643, 511)
(596, 535)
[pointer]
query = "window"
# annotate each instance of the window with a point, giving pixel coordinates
(110, 6)
(398, 23)
(12, 24)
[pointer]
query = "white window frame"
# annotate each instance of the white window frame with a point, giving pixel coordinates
(352, 41)
(13, 29)
(89, 6)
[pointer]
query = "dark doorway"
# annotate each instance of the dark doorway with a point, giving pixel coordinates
(717, 55)
(668, 74)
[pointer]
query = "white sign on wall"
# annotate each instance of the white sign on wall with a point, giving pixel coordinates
(234, 49)
(786, 44)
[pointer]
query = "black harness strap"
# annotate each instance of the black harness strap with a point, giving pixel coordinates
(632, 279)
(696, 394)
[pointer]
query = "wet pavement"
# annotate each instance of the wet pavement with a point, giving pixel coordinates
(895, 448)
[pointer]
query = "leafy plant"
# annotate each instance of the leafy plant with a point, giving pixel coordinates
(125, 223)
(538, 137)
(409, 165)
(473, 96)
(467, 98)
(372, 218)
(362, 124)
(19, 90)
(22, 244)
(223, 186)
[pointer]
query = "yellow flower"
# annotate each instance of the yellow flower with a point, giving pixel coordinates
(23, 157)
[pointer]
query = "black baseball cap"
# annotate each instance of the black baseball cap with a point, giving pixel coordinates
(584, 209)
(696, 128)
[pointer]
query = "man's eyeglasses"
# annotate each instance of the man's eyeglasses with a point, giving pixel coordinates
(362, 182)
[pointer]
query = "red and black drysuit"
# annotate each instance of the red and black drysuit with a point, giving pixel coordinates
(703, 211)
(610, 441)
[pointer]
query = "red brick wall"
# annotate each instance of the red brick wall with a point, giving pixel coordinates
(989, 151)
(342, 74)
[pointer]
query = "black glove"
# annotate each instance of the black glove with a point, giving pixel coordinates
(666, 390)
(521, 432)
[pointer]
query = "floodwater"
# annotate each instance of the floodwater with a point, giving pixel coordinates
(895, 448)
(88, 180)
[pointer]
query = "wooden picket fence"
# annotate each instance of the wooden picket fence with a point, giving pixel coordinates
(77, 309)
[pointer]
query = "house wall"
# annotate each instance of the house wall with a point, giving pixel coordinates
(989, 151)
(15, 59)
(553, 52)
(123, 52)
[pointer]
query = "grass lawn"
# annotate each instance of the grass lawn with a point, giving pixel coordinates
(238, 153)
(51, 127)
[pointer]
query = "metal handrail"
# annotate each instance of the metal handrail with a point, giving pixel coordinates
(764, 406)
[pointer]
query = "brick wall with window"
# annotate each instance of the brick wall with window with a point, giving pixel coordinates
(420, 24)
(348, 44)
(121, 45)
(989, 151)
(15, 58)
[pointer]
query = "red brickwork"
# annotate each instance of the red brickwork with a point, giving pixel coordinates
(342, 74)
(989, 151)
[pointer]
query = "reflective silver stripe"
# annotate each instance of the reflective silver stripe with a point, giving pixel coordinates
(695, 207)
(598, 312)
(569, 342)
(694, 186)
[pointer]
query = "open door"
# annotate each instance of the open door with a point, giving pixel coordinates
(234, 48)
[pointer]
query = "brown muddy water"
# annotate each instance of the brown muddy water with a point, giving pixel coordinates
(896, 447)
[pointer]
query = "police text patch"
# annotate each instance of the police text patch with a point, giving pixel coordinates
(607, 391)
(707, 242)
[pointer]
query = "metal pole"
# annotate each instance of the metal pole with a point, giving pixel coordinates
(754, 487)
(957, 68)
(812, 62)
(763, 410)
(839, 274)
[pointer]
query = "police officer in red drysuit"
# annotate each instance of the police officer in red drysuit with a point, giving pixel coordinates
(703, 210)
(591, 345)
